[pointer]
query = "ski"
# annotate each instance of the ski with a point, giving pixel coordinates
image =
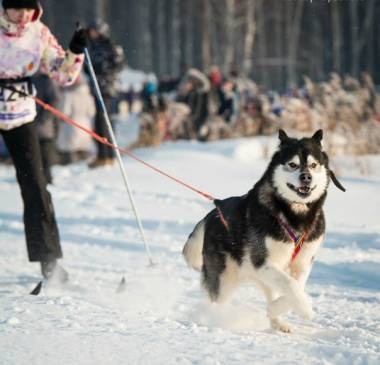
(37, 289)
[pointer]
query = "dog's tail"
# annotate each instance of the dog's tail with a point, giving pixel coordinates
(192, 251)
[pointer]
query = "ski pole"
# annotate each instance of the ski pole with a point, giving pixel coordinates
(114, 142)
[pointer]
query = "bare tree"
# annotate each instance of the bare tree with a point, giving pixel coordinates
(175, 57)
(279, 40)
(354, 38)
(216, 33)
(229, 35)
(146, 36)
(262, 42)
(188, 18)
(99, 7)
(206, 16)
(336, 35)
(249, 37)
(294, 37)
(367, 30)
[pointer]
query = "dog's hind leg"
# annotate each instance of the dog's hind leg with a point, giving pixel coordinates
(192, 251)
(293, 296)
(220, 280)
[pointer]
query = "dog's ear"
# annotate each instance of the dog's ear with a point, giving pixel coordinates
(336, 181)
(331, 173)
(284, 139)
(318, 136)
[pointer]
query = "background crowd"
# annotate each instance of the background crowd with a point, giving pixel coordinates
(200, 104)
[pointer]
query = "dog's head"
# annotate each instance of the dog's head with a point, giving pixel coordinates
(301, 169)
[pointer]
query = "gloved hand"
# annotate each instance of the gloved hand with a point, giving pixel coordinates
(79, 41)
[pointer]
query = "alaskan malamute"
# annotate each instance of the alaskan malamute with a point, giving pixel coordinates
(271, 235)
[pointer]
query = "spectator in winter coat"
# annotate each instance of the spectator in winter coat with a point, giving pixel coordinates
(195, 93)
(48, 92)
(216, 80)
(149, 96)
(26, 45)
(107, 59)
(228, 108)
(78, 103)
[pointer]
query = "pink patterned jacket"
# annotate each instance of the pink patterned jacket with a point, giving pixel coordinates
(25, 49)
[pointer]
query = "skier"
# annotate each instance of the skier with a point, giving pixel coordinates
(27, 45)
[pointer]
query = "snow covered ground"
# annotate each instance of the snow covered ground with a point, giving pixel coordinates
(163, 317)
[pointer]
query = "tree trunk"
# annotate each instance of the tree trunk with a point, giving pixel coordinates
(99, 9)
(336, 36)
(262, 42)
(146, 58)
(229, 36)
(367, 32)
(355, 50)
(206, 33)
(175, 55)
(249, 37)
(189, 39)
(162, 45)
(294, 42)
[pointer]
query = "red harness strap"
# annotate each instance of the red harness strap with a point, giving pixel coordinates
(298, 245)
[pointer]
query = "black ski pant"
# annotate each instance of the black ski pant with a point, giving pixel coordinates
(41, 231)
(101, 128)
(48, 155)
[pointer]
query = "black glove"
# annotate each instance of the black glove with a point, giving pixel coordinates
(79, 41)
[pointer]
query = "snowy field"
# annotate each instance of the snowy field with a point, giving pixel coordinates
(163, 317)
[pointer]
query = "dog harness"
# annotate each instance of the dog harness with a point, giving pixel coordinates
(298, 241)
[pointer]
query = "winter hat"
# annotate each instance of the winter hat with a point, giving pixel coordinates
(100, 26)
(20, 4)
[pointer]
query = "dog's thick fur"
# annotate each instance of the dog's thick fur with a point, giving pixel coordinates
(256, 247)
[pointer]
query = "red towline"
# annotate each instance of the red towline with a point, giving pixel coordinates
(105, 141)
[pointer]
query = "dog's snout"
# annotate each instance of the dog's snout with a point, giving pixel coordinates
(305, 178)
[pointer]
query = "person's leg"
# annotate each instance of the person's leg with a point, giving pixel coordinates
(41, 229)
(47, 154)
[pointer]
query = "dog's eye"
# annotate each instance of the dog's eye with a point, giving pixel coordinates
(292, 165)
(313, 165)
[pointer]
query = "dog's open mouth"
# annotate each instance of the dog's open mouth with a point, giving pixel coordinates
(304, 190)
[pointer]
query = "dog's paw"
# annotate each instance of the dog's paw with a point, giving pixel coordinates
(282, 326)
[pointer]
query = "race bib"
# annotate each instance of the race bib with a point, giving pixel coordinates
(15, 108)
(12, 96)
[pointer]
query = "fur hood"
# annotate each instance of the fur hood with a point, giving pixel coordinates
(201, 79)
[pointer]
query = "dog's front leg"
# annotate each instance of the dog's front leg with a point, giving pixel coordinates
(275, 322)
(293, 296)
(301, 273)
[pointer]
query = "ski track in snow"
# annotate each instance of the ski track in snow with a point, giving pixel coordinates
(163, 317)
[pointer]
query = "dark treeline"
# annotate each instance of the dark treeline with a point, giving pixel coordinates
(274, 41)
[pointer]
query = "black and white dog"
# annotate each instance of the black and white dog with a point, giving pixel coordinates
(271, 235)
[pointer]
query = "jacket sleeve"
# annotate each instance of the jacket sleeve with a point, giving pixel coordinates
(63, 67)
